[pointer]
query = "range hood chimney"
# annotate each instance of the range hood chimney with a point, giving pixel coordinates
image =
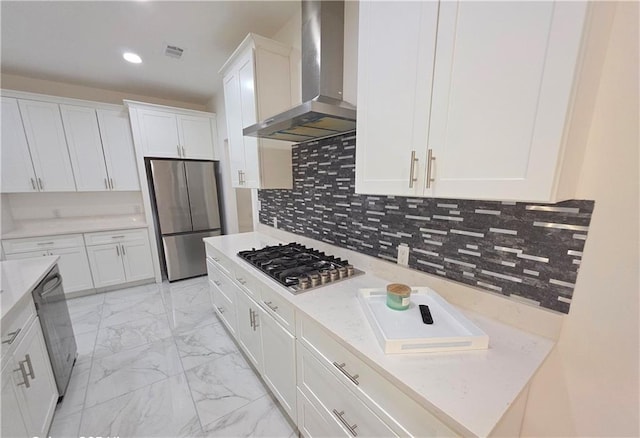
(323, 113)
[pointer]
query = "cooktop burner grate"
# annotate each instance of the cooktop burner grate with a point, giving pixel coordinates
(299, 268)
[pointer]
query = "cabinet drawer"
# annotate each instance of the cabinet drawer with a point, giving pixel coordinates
(281, 310)
(14, 324)
(401, 412)
(247, 282)
(115, 236)
(13, 246)
(312, 423)
(329, 395)
(224, 307)
(221, 260)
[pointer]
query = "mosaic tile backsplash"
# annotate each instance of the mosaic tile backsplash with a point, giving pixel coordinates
(530, 252)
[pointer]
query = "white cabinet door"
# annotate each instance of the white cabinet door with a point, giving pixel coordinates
(251, 176)
(502, 85)
(74, 268)
(106, 264)
(234, 127)
(39, 391)
(136, 256)
(249, 326)
(85, 148)
(48, 146)
(395, 64)
(159, 133)
(196, 137)
(13, 423)
(17, 169)
(279, 354)
(119, 153)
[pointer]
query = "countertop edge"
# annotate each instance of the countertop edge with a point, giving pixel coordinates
(26, 292)
(25, 234)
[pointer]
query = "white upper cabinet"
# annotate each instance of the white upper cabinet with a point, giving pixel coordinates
(393, 100)
(101, 148)
(119, 153)
(48, 146)
(257, 85)
(85, 148)
(480, 112)
(17, 168)
(170, 133)
(197, 136)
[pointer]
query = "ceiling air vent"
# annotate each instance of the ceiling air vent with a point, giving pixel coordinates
(173, 51)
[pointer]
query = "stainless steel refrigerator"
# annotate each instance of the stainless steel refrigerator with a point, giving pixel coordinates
(187, 210)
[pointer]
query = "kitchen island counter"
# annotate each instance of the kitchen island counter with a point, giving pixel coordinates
(19, 279)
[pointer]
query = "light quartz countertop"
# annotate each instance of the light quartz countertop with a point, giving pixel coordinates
(87, 224)
(20, 277)
(469, 389)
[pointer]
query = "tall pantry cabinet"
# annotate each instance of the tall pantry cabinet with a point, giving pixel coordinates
(257, 85)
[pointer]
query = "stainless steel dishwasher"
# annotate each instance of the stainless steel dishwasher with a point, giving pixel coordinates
(51, 306)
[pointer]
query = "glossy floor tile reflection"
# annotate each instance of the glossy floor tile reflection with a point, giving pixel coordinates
(154, 361)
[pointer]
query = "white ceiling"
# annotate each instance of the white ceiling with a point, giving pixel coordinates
(83, 42)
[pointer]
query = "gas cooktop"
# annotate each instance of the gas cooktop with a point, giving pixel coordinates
(299, 268)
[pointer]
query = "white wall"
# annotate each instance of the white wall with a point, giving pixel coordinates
(64, 89)
(41, 206)
(589, 385)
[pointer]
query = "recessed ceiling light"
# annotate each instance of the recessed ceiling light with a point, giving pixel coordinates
(132, 57)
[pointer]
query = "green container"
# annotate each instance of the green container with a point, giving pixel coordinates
(398, 296)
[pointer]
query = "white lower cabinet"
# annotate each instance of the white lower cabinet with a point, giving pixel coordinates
(224, 297)
(333, 398)
(249, 327)
(312, 423)
(106, 264)
(279, 362)
(126, 259)
(35, 387)
(73, 262)
(14, 424)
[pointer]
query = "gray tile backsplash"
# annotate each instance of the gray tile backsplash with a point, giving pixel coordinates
(531, 252)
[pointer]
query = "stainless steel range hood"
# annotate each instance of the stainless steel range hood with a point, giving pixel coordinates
(323, 113)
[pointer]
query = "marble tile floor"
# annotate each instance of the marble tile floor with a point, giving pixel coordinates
(155, 361)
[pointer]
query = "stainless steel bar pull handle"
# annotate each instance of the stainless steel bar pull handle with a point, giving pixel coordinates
(340, 415)
(412, 169)
(430, 160)
(111, 183)
(251, 318)
(255, 320)
(33, 184)
(118, 250)
(353, 378)
(271, 306)
(40, 183)
(183, 152)
(106, 184)
(123, 251)
(23, 371)
(30, 365)
(12, 337)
